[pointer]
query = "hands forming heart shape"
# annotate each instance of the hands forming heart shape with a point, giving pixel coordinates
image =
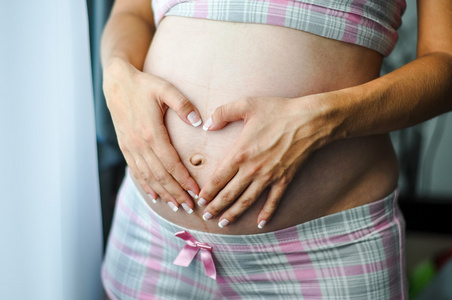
(278, 136)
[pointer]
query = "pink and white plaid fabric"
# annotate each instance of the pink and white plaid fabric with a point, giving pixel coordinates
(354, 254)
(369, 23)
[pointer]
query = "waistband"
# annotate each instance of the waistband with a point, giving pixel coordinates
(346, 226)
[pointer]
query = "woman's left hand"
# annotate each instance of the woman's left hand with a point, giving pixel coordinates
(277, 137)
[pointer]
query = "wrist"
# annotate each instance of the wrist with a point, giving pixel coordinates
(354, 111)
(116, 65)
(329, 113)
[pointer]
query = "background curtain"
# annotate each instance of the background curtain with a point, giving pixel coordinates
(50, 221)
(111, 161)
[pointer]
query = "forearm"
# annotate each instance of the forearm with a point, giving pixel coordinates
(126, 37)
(410, 95)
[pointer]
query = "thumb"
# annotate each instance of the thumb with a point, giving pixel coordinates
(186, 111)
(227, 113)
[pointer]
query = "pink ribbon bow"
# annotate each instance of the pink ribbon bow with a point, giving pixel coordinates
(187, 254)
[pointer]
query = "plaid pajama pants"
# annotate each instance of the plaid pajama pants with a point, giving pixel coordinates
(353, 254)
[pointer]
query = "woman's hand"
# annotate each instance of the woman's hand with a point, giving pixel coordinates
(278, 135)
(138, 102)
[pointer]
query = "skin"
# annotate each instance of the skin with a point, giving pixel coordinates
(141, 135)
(414, 93)
(296, 135)
(189, 54)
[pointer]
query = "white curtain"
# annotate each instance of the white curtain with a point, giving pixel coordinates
(50, 223)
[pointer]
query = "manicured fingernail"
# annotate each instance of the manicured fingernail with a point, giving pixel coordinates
(201, 202)
(262, 224)
(223, 223)
(194, 119)
(207, 216)
(187, 208)
(207, 124)
(172, 206)
(152, 198)
(193, 195)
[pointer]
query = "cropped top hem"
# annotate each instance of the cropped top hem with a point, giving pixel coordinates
(369, 23)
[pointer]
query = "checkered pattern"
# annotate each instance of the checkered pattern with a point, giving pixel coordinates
(369, 23)
(354, 254)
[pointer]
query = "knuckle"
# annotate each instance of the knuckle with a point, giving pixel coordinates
(217, 181)
(165, 87)
(241, 156)
(169, 166)
(183, 104)
(215, 209)
(160, 178)
(246, 202)
(226, 197)
(145, 177)
(178, 171)
(256, 168)
(180, 198)
(247, 103)
(267, 177)
(207, 195)
(269, 174)
(147, 136)
(220, 112)
(285, 180)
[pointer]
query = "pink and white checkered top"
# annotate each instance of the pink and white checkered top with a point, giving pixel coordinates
(369, 23)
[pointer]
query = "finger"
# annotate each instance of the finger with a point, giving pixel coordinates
(227, 113)
(137, 175)
(274, 197)
(186, 111)
(167, 197)
(145, 177)
(173, 176)
(222, 175)
(160, 175)
(242, 204)
(154, 196)
(163, 159)
(226, 197)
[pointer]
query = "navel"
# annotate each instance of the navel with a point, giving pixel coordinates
(197, 160)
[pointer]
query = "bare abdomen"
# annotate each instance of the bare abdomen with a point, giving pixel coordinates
(213, 63)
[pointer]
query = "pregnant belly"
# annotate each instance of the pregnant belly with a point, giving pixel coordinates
(213, 63)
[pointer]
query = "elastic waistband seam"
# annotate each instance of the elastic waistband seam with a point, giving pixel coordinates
(338, 229)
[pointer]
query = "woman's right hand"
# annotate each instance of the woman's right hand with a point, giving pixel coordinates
(138, 102)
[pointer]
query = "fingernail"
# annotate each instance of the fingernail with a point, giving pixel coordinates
(193, 195)
(207, 124)
(194, 119)
(201, 202)
(187, 208)
(152, 198)
(262, 224)
(223, 223)
(207, 216)
(172, 206)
